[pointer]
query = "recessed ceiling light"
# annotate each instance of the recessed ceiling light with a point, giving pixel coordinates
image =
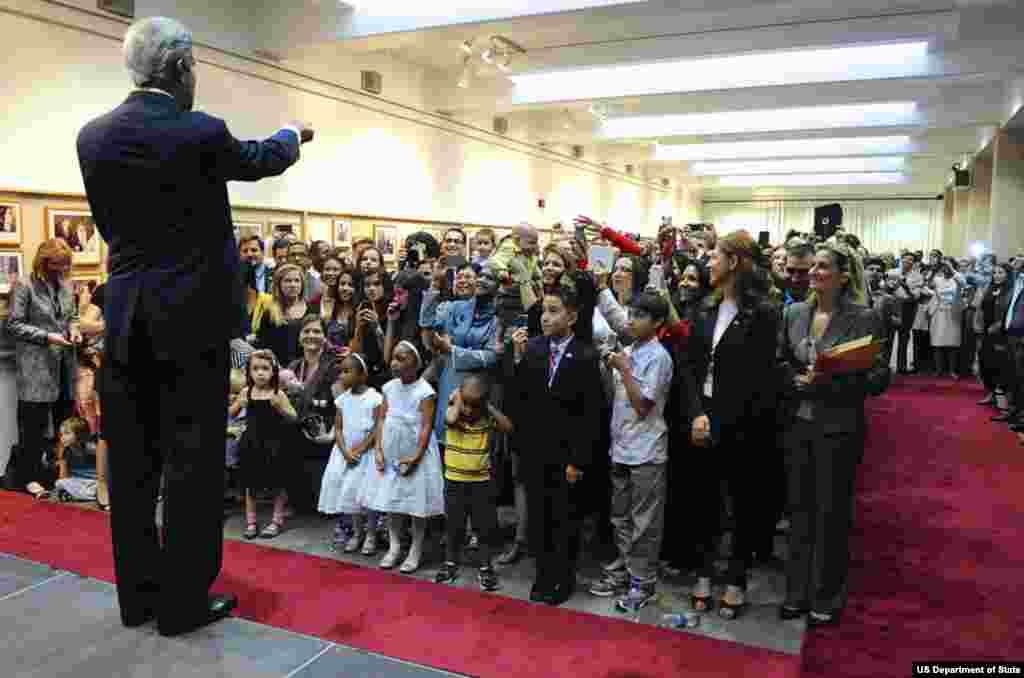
(812, 179)
(825, 165)
(886, 114)
(786, 148)
(792, 67)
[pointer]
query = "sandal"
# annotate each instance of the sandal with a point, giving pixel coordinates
(272, 530)
(251, 531)
(37, 491)
(731, 611)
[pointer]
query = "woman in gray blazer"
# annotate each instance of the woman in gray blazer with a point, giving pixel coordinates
(827, 439)
(43, 323)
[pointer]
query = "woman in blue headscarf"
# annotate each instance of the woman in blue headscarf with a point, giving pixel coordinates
(465, 342)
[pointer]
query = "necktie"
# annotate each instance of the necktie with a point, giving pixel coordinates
(551, 365)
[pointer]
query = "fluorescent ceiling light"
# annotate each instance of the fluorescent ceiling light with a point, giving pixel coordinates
(887, 114)
(812, 179)
(795, 67)
(802, 166)
(786, 148)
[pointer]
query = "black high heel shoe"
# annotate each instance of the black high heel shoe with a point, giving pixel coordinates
(788, 612)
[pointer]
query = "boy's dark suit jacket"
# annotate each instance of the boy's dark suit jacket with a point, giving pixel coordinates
(560, 425)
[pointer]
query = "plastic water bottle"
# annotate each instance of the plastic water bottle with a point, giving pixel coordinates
(684, 620)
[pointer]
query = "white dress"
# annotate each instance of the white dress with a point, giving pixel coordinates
(421, 493)
(342, 485)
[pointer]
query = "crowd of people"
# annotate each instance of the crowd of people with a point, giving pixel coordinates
(673, 399)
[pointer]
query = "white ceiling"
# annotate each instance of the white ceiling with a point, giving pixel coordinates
(973, 81)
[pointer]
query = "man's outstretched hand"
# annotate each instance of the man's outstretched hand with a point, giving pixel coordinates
(305, 130)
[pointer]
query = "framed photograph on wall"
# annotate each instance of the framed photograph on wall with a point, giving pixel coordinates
(385, 236)
(10, 223)
(78, 229)
(80, 280)
(250, 228)
(12, 267)
(283, 229)
(342, 232)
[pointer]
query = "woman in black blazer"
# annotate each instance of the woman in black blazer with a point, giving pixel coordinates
(558, 412)
(730, 405)
(994, 362)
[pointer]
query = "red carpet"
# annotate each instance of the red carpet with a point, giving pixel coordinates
(938, 551)
(938, 558)
(458, 630)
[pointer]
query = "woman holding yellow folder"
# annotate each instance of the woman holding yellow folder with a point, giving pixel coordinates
(827, 439)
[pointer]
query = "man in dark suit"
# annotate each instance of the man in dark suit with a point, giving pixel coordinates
(173, 304)
(556, 379)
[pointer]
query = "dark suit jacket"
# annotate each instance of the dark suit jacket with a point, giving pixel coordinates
(745, 375)
(838, 403)
(558, 425)
(156, 178)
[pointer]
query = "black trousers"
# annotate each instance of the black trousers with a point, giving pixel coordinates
(968, 351)
(1016, 360)
(554, 507)
(923, 358)
(994, 362)
(822, 471)
(476, 500)
(166, 416)
(33, 421)
(908, 313)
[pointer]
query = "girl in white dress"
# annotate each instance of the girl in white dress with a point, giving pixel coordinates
(409, 480)
(351, 463)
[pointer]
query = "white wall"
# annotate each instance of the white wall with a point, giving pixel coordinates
(372, 155)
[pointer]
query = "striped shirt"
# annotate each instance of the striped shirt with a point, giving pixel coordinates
(467, 453)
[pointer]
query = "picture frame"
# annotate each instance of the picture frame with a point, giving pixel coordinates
(385, 237)
(341, 232)
(78, 228)
(10, 223)
(246, 228)
(12, 267)
(91, 280)
(280, 228)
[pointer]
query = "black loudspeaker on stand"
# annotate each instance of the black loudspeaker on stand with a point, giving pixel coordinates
(826, 219)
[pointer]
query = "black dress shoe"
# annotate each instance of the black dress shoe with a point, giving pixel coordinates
(219, 607)
(1017, 427)
(539, 593)
(137, 618)
(1005, 416)
(825, 619)
(561, 593)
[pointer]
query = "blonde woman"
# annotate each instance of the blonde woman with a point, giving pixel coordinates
(44, 325)
(281, 323)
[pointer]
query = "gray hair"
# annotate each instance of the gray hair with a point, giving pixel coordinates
(152, 44)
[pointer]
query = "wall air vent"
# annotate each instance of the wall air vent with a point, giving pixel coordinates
(500, 125)
(372, 82)
(577, 152)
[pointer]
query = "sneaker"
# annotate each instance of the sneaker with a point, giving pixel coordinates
(448, 573)
(639, 594)
(616, 565)
(488, 579)
(370, 545)
(612, 583)
(352, 545)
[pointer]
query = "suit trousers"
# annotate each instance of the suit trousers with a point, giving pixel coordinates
(554, 530)
(33, 422)
(923, 357)
(994, 364)
(1016, 358)
(166, 416)
(909, 311)
(822, 473)
(968, 352)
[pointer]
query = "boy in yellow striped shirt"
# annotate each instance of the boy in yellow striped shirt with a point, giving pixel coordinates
(472, 421)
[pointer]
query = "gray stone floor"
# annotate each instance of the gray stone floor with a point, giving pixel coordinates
(56, 623)
(759, 626)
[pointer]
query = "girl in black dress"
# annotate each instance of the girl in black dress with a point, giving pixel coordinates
(270, 418)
